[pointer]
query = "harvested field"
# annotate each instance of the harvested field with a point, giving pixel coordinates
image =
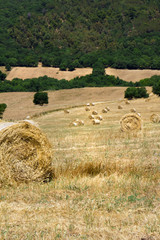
(106, 182)
(132, 75)
(20, 104)
(35, 72)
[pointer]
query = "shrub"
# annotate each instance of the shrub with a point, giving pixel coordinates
(133, 92)
(40, 98)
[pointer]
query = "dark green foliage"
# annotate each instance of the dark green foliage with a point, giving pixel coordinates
(40, 98)
(8, 67)
(125, 34)
(133, 92)
(2, 76)
(149, 81)
(156, 88)
(3, 106)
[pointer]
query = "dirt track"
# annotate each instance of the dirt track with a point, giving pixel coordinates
(31, 72)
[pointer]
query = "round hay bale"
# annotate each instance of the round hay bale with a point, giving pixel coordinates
(155, 118)
(104, 110)
(99, 117)
(92, 104)
(25, 153)
(133, 110)
(96, 121)
(87, 109)
(80, 123)
(73, 124)
(120, 107)
(127, 102)
(66, 111)
(95, 112)
(108, 108)
(131, 122)
(91, 116)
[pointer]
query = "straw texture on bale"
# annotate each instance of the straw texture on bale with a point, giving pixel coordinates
(25, 153)
(131, 122)
(155, 118)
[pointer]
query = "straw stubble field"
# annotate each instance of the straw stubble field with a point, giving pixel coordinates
(106, 183)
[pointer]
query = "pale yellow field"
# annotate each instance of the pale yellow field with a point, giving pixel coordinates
(106, 183)
(35, 72)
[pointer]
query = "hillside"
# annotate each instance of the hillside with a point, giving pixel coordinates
(20, 105)
(105, 184)
(73, 34)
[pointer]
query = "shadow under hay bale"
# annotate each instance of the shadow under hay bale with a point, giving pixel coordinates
(131, 122)
(25, 154)
(155, 118)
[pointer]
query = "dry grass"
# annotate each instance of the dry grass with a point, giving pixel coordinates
(20, 104)
(106, 181)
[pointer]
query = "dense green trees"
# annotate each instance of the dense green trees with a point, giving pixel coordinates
(133, 92)
(2, 76)
(156, 88)
(121, 34)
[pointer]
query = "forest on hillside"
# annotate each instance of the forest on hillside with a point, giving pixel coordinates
(73, 33)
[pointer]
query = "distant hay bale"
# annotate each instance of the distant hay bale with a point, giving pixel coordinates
(120, 107)
(28, 117)
(25, 153)
(104, 110)
(76, 123)
(92, 104)
(131, 122)
(96, 121)
(133, 110)
(108, 108)
(127, 102)
(95, 112)
(88, 104)
(66, 111)
(87, 109)
(80, 123)
(99, 117)
(91, 116)
(155, 118)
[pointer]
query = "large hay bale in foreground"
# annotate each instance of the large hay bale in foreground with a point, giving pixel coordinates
(155, 118)
(131, 122)
(25, 153)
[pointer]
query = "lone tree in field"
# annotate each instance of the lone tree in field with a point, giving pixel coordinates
(40, 98)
